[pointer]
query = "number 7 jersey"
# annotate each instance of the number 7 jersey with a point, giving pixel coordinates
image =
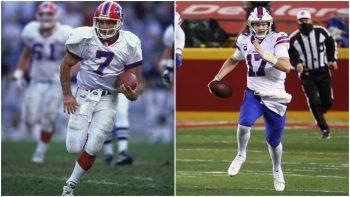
(261, 75)
(100, 63)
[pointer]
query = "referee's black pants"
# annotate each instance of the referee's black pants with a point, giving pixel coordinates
(317, 86)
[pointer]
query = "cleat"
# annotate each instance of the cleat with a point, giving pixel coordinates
(68, 188)
(38, 158)
(236, 165)
(325, 134)
(278, 180)
(124, 159)
(108, 159)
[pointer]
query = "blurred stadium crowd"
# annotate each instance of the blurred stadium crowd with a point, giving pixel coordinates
(147, 20)
(220, 29)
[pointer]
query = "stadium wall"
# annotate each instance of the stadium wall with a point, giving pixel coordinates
(200, 66)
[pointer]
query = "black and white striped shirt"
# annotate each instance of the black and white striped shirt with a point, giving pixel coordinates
(313, 51)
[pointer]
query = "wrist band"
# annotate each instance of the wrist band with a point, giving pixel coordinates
(18, 74)
(270, 58)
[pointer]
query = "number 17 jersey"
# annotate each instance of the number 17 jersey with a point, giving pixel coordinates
(261, 75)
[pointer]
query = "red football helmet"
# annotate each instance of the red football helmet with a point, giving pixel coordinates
(46, 14)
(107, 12)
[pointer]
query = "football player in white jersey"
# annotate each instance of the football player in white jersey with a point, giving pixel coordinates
(104, 51)
(44, 46)
(266, 56)
(179, 39)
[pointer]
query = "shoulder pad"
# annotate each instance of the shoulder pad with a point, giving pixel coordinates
(31, 27)
(79, 34)
(131, 38)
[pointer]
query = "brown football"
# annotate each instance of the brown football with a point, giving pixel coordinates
(128, 79)
(220, 89)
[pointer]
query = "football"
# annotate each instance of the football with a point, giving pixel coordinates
(128, 79)
(220, 89)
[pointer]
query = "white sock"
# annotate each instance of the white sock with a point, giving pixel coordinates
(108, 148)
(77, 173)
(276, 156)
(243, 135)
(122, 145)
(41, 148)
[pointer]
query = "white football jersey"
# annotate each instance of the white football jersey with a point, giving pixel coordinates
(179, 33)
(47, 52)
(168, 36)
(99, 63)
(261, 75)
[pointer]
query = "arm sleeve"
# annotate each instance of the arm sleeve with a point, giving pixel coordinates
(238, 55)
(168, 37)
(293, 54)
(180, 38)
(25, 36)
(135, 58)
(74, 48)
(331, 47)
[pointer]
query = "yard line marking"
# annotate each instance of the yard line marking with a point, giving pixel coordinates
(258, 173)
(99, 182)
(340, 165)
(263, 189)
(288, 125)
(256, 151)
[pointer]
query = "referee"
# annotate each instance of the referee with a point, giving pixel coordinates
(312, 53)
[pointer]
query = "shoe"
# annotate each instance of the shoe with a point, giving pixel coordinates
(124, 159)
(278, 180)
(68, 188)
(108, 159)
(38, 158)
(325, 134)
(236, 165)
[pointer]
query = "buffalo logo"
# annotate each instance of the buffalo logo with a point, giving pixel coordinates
(118, 12)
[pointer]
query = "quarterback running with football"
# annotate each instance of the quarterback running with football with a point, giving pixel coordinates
(104, 51)
(44, 41)
(267, 60)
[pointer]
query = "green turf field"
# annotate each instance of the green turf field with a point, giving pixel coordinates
(311, 166)
(152, 172)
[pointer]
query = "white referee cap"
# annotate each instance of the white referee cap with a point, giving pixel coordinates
(303, 14)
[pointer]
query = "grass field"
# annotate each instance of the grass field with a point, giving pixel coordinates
(311, 166)
(152, 172)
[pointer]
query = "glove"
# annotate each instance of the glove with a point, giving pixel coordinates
(18, 78)
(178, 59)
(168, 76)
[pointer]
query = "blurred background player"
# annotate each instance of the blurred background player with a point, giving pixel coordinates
(266, 54)
(166, 64)
(313, 66)
(44, 47)
(120, 132)
(179, 39)
(105, 51)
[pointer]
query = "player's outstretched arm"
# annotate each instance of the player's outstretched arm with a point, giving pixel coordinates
(226, 68)
(22, 66)
(69, 102)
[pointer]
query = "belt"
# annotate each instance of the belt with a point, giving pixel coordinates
(104, 92)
